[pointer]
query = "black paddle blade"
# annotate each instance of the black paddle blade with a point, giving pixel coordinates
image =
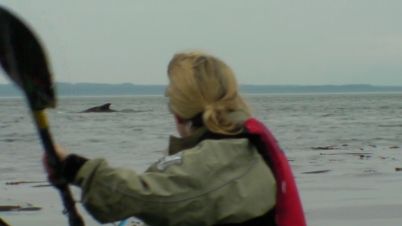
(24, 61)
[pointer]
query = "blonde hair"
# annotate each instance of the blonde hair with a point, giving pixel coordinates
(201, 84)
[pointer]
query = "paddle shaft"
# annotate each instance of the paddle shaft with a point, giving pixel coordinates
(54, 162)
(24, 61)
(3, 223)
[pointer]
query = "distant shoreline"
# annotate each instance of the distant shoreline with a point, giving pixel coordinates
(128, 89)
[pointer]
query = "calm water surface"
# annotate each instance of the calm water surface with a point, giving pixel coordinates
(344, 149)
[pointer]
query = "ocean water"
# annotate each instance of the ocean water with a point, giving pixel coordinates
(345, 149)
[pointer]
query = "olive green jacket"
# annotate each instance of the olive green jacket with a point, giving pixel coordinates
(214, 182)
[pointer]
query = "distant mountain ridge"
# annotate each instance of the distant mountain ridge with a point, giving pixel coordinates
(99, 89)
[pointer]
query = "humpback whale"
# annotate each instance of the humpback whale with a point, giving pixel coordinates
(100, 108)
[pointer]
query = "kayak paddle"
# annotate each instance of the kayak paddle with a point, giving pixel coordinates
(24, 61)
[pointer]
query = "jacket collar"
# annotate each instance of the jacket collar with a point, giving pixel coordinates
(177, 144)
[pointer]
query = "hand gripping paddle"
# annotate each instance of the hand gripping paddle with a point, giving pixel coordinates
(24, 61)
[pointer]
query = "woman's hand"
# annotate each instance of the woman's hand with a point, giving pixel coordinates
(61, 153)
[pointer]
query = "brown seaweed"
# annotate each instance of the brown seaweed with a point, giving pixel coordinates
(8, 208)
(317, 171)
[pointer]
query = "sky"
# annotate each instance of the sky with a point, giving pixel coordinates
(273, 42)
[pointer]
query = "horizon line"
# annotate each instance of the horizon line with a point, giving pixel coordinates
(240, 84)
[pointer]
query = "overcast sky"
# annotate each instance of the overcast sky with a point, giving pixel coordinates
(264, 41)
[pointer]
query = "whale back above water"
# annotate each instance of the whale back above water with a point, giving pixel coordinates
(100, 108)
